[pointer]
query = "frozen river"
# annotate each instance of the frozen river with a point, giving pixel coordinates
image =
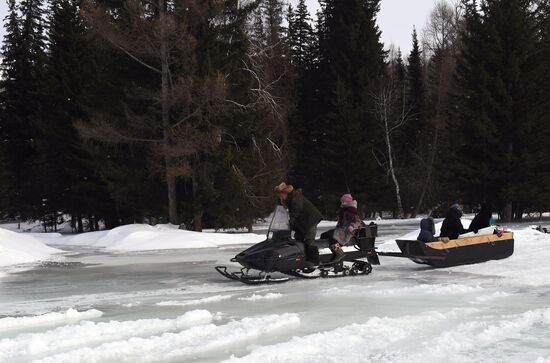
(172, 306)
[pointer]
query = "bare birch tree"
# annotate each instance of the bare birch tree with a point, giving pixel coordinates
(392, 114)
(439, 41)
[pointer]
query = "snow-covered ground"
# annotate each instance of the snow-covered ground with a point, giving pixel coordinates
(164, 302)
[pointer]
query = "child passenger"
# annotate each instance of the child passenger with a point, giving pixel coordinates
(348, 222)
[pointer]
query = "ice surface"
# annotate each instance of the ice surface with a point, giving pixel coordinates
(496, 311)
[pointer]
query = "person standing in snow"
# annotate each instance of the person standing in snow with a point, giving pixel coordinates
(483, 219)
(452, 226)
(304, 217)
(348, 222)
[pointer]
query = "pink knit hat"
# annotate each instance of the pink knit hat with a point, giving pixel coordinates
(346, 198)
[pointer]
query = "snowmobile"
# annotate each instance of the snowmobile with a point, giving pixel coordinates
(281, 254)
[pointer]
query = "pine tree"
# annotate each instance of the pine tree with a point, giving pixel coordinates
(401, 70)
(351, 67)
(22, 103)
(416, 91)
(301, 38)
(11, 57)
(498, 103)
(66, 167)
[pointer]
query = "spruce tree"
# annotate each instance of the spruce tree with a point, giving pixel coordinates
(23, 103)
(67, 168)
(352, 64)
(301, 38)
(9, 105)
(416, 90)
(498, 103)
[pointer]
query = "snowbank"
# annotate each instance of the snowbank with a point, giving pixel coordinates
(18, 248)
(68, 316)
(91, 333)
(351, 343)
(206, 300)
(254, 297)
(143, 237)
(411, 338)
(181, 346)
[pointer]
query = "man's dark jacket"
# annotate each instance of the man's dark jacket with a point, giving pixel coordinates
(303, 214)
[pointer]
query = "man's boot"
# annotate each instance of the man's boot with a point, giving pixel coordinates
(312, 254)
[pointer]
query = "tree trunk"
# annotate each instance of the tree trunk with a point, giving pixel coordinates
(400, 213)
(434, 145)
(79, 225)
(165, 104)
(428, 175)
(198, 222)
(197, 217)
(508, 212)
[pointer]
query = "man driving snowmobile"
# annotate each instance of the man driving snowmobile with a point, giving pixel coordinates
(304, 217)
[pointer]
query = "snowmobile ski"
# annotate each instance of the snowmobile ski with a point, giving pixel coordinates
(246, 278)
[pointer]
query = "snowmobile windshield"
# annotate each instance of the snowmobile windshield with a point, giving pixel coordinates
(279, 221)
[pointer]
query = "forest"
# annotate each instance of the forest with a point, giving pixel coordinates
(190, 112)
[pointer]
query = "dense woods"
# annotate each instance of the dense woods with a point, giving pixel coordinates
(190, 111)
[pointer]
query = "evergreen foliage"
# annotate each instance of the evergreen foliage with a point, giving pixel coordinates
(500, 103)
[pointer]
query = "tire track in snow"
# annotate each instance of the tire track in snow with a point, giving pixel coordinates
(88, 333)
(186, 344)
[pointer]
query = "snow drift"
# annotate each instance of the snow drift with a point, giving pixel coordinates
(18, 248)
(143, 237)
(53, 318)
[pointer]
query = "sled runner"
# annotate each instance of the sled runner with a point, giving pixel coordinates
(279, 254)
(462, 251)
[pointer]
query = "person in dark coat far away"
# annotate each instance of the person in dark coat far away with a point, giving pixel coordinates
(427, 230)
(304, 218)
(452, 226)
(483, 219)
